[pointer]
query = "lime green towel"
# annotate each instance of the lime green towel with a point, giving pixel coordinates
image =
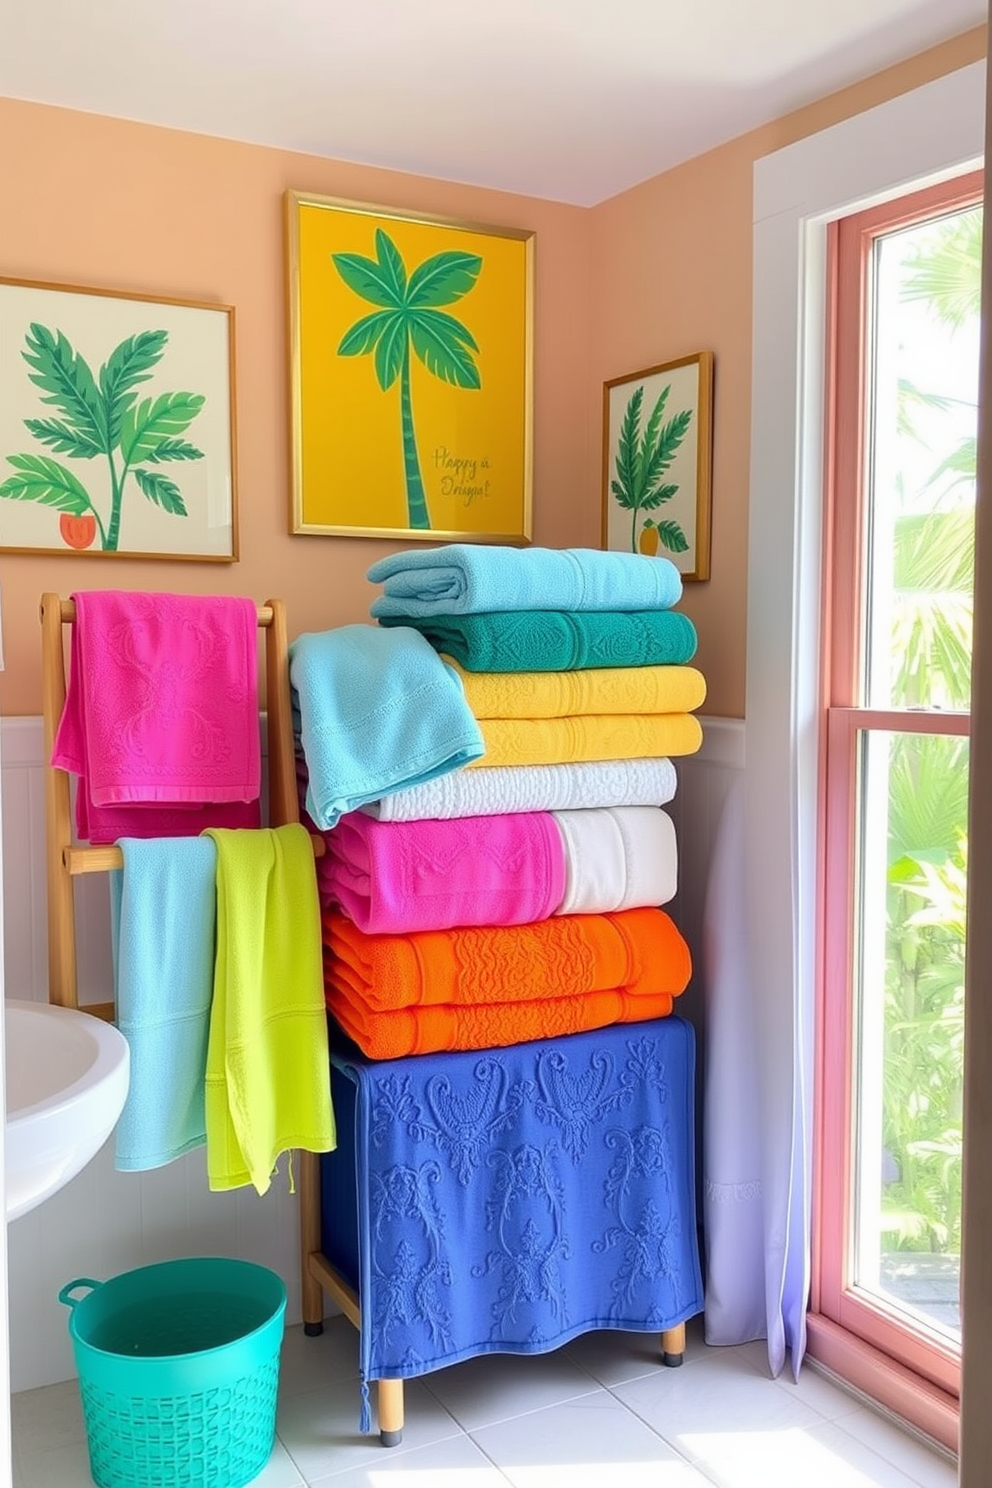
(268, 1070)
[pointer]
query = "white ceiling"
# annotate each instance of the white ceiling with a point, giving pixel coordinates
(573, 100)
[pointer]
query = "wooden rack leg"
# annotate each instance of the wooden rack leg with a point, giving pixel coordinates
(673, 1346)
(390, 1408)
(312, 1291)
(62, 988)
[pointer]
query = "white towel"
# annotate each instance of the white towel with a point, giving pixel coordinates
(485, 791)
(617, 857)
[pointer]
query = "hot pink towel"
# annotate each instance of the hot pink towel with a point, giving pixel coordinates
(161, 713)
(102, 824)
(394, 877)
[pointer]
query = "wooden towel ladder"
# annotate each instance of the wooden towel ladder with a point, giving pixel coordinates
(66, 860)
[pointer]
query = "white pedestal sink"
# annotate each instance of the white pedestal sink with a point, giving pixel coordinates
(67, 1080)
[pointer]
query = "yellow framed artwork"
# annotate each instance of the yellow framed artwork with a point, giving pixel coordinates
(411, 351)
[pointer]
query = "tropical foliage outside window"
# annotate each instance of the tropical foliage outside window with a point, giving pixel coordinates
(939, 272)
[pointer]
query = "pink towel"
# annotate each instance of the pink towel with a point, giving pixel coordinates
(102, 824)
(161, 714)
(393, 877)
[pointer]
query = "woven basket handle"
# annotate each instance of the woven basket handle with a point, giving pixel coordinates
(65, 1295)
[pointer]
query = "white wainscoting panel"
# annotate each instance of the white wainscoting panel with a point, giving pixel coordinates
(105, 1222)
(704, 781)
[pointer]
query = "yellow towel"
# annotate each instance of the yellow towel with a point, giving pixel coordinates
(648, 689)
(268, 1070)
(613, 736)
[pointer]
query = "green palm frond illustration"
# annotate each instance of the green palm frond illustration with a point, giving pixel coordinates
(100, 417)
(409, 316)
(641, 461)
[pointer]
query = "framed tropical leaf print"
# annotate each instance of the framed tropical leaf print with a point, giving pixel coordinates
(657, 454)
(411, 374)
(116, 424)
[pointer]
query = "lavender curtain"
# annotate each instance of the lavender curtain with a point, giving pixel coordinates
(756, 1126)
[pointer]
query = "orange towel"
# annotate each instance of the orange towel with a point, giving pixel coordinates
(637, 950)
(429, 1030)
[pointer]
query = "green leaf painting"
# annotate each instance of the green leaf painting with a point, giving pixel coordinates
(409, 317)
(642, 457)
(100, 418)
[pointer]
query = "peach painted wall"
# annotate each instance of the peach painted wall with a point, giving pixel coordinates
(97, 201)
(655, 273)
(671, 265)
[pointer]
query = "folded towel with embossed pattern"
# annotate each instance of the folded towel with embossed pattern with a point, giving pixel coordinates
(489, 792)
(638, 950)
(431, 1030)
(648, 690)
(392, 877)
(466, 579)
(605, 736)
(557, 640)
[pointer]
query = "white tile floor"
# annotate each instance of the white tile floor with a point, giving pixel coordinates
(561, 1420)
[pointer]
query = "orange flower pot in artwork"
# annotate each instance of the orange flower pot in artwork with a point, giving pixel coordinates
(77, 532)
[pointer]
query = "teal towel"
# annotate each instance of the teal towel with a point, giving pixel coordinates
(463, 579)
(163, 909)
(549, 641)
(378, 711)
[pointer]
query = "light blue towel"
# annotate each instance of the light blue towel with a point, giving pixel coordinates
(465, 579)
(163, 913)
(379, 711)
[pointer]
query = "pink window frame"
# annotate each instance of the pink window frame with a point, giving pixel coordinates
(914, 1374)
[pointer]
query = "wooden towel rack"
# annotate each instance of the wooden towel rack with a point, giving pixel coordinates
(65, 860)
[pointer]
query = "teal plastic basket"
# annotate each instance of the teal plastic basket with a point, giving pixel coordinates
(179, 1371)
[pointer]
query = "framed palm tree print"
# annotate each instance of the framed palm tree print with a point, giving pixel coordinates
(657, 448)
(117, 433)
(411, 353)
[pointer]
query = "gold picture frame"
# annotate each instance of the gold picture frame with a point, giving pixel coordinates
(409, 419)
(657, 463)
(117, 424)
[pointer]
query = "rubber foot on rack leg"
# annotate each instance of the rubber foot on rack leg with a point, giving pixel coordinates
(313, 1330)
(391, 1438)
(672, 1361)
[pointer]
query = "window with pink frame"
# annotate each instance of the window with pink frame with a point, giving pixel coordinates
(902, 383)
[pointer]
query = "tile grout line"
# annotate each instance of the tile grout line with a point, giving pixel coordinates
(517, 1415)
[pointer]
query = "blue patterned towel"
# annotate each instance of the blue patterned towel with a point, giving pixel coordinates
(378, 711)
(506, 1201)
(464, 579)
(163, 911)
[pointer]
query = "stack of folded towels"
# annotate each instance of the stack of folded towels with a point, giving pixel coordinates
(505, 882)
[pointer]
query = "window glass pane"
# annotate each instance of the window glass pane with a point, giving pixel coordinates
(909, 998)
(925, 296)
